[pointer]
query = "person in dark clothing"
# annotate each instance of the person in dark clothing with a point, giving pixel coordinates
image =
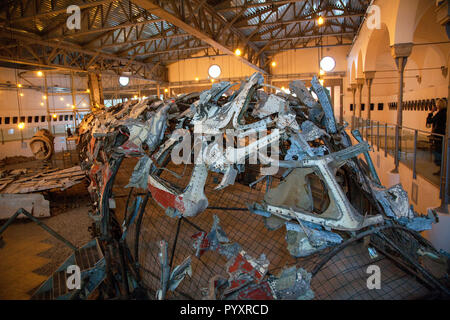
(438, 123)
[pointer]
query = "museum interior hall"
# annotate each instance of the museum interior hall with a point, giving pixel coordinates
(224, 150)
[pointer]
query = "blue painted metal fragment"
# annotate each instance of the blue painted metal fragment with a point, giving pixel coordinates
(330, 121)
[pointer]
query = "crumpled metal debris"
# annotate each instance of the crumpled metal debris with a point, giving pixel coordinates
(273, 104)
(292, 284)
(140, 173)
(215, 240)
(306, 238)
(179, 273)
(324, 99)
(314, 151)
(244, 269)
(396, 205)
(171, 280)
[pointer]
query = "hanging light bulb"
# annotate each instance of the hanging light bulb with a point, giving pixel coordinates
(54, 116)
(39, 73)
(21, 125)
(238, 52)
(196, 78)
(320, 21)
(21, 94)
(87, 90)
(19, 85)
(166, 90)
(42, 103)
(273, 64)
(62, 99)
(44, 97)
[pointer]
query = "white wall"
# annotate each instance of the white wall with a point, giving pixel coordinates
(30, 105)
(17, 148)
(190, 69)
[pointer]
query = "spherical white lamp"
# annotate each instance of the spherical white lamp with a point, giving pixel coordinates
(124, 81)
(214, 71)
(327, 64)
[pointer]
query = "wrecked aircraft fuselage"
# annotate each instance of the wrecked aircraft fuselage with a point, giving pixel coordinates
(318, 200)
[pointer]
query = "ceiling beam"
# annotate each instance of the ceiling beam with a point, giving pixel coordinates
(30, 49)
(292, 21)
(62, 10)
(261, 4)
(187, 26)
(105, 29)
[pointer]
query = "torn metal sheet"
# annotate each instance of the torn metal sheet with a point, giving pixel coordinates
(311, 132)
(273, 104)
(304, 238)
(140, 173)
(165, 271)
(255, 291)
(45, 180)
(418, 224)
(287, 200)
(244, 269)
(190, 202)
(179, 273)
(299, 89)
(324, 98)
(394, 201)
(171, 280)
(215, 240)
(228, 178)
(292, 284)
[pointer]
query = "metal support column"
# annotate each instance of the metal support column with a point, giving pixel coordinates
(360, 83)
(369, 76)
(74, 101)
(353, 88)
(400, 52)
(46, 103)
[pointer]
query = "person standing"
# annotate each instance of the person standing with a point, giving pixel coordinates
(438, 123)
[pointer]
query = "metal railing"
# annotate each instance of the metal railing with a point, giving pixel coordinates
(419, 150)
